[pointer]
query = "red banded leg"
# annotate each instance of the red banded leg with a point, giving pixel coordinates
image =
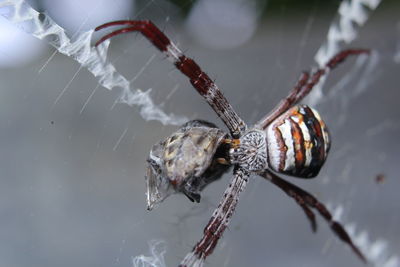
(219, 220)
(198, 78)
(285, 103)
(305, 84)
(304, 198)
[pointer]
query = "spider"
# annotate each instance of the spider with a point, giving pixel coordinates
(292, 139)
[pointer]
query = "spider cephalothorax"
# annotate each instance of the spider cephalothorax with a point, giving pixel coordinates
(291, 139)
(250, 151)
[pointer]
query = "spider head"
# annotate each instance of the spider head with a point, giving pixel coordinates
(185, 162)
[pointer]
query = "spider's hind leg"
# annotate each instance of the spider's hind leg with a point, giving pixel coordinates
(303, 197)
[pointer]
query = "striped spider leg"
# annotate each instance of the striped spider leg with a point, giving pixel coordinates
(219, 220)
(306, 201)
(292, 139)
(304, 85)
(198, 78)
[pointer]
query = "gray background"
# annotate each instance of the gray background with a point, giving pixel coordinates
(70, 196)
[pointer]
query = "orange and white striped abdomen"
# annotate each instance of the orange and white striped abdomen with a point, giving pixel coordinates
(298, 142)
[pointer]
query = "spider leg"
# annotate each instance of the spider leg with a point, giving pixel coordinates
(285, 103)
(288, 189)
(332, 63)
(305, 84)
(198, 78)
(310, 215)
(299, 194)
(219, 220)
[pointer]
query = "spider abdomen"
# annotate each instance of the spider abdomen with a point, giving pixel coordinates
(298, 142)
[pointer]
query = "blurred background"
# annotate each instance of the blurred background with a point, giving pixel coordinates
(72, 189)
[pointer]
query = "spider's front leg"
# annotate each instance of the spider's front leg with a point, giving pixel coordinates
(304, 198)
(304, 86)
(219, 220)
(198, 78)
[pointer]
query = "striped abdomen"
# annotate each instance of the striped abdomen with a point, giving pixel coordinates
(298, 142)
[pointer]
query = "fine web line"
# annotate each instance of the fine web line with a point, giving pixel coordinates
(42, 26)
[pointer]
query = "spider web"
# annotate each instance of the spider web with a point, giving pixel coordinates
(77, 158)
(80, 49)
